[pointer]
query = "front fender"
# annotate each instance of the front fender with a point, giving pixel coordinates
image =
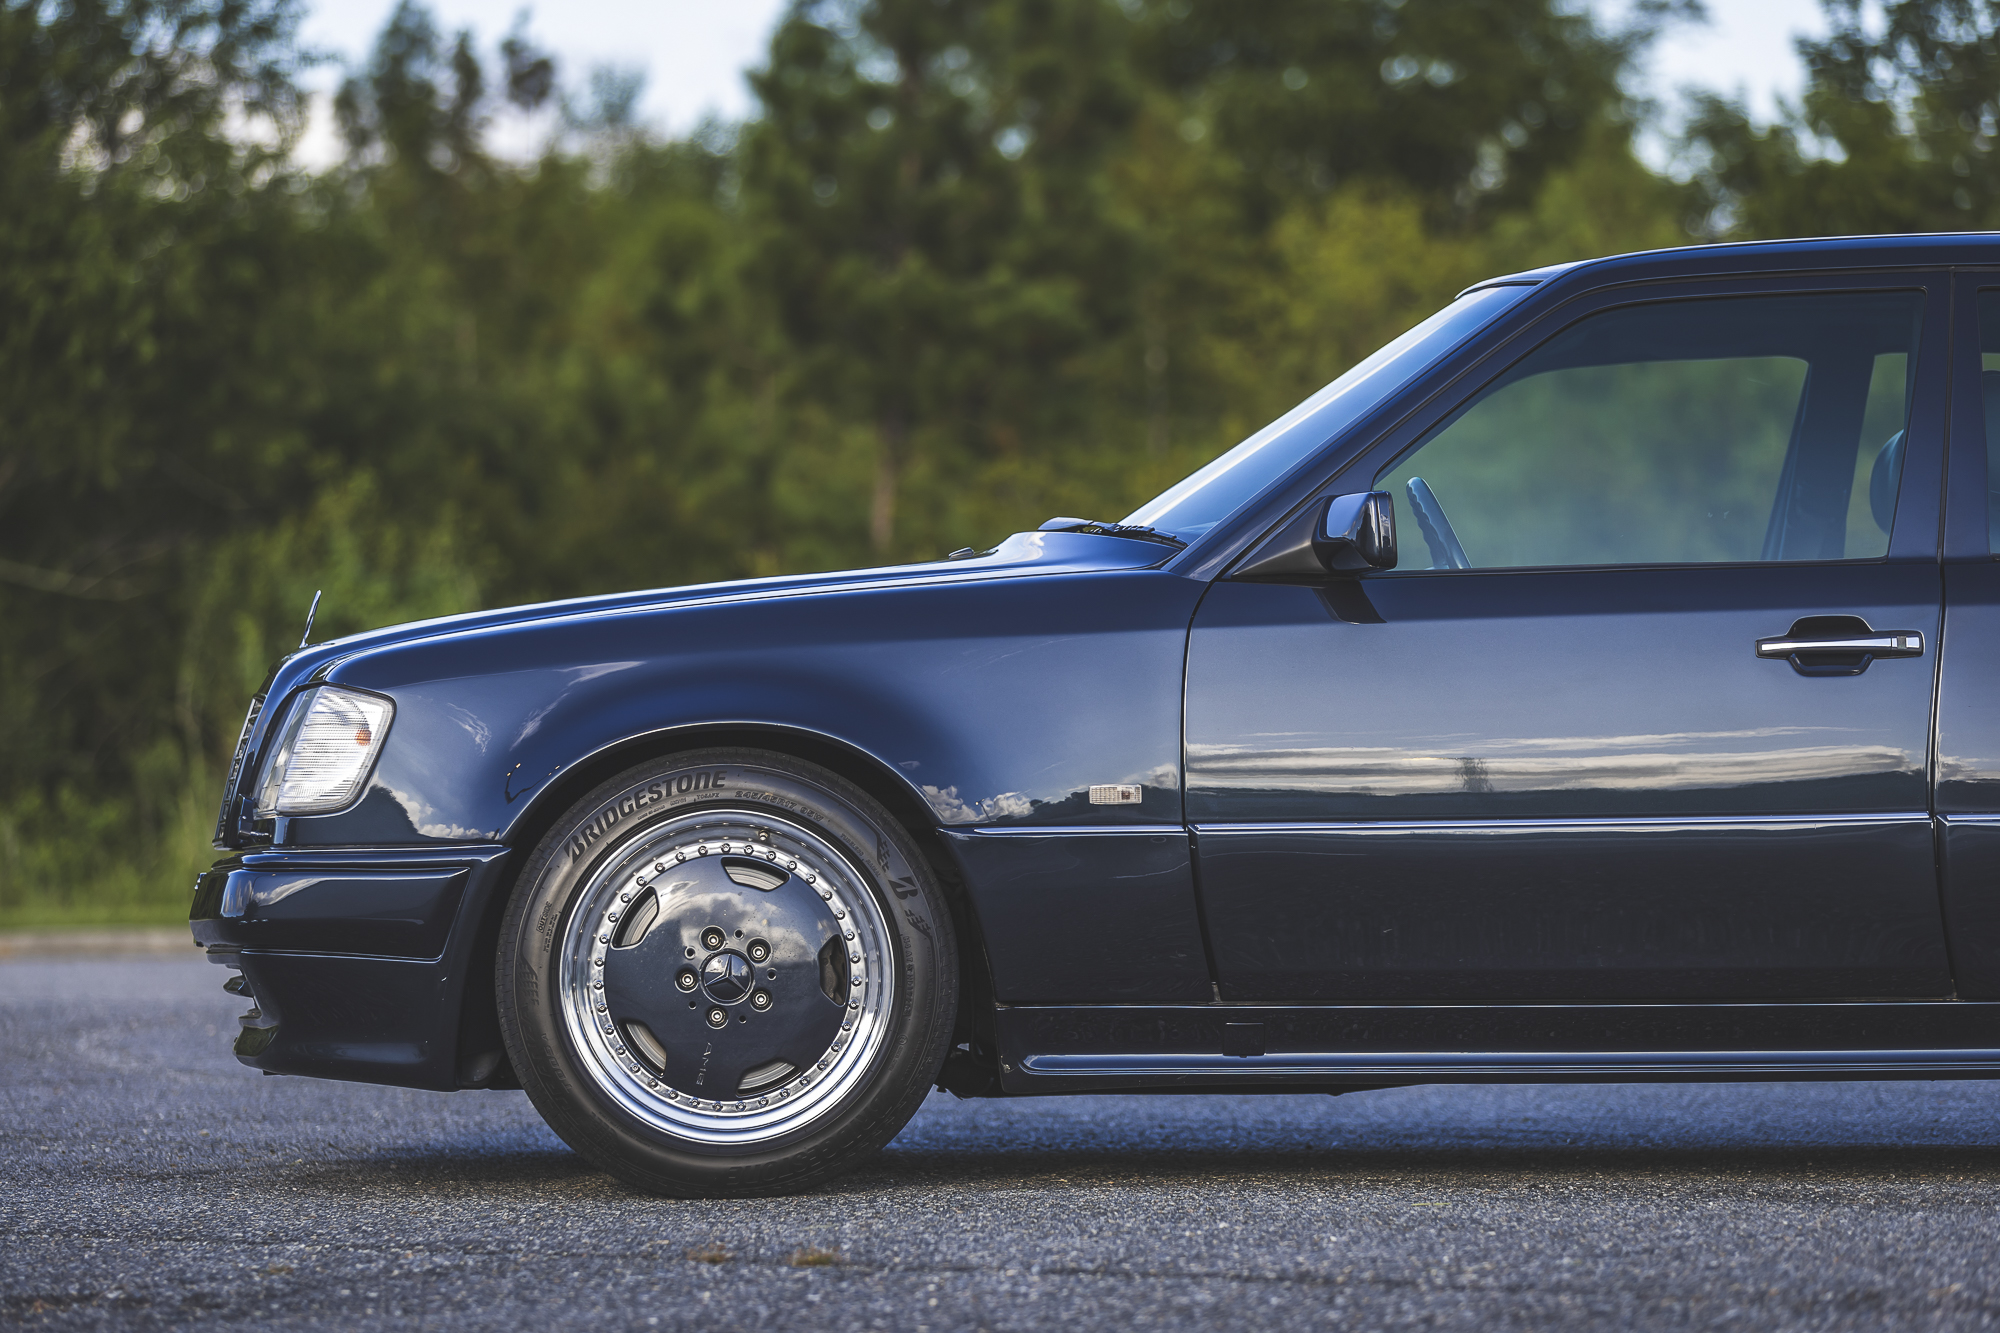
(997, 703)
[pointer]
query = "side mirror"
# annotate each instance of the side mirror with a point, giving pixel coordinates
(1357, 533)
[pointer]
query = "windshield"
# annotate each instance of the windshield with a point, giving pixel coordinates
(1200, 501)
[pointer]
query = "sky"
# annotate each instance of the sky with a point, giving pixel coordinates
(693, 53)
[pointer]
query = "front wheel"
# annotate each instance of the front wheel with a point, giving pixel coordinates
(728, 972)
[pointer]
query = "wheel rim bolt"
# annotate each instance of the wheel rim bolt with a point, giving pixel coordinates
(716, 1018)
(686, 981)
(761, 1000)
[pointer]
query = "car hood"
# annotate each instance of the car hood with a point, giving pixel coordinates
(1025, 554)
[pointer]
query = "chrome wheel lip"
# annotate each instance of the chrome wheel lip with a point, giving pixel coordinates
(768, 1112)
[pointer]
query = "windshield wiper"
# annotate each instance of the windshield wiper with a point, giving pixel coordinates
(1095, 528)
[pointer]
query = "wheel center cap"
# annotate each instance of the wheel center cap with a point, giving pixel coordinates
(727, 977)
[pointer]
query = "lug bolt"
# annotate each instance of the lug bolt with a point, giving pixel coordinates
(761, 1000)
(716, 1018)
(712, 938)
(759, 951)
(686, 981)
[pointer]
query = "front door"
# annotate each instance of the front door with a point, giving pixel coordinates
(1644, 712)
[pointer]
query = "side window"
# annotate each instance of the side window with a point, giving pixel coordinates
(1989, 392)
(1722, 429)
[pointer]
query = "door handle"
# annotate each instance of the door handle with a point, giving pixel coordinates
(1899, 644)
(1845, 654)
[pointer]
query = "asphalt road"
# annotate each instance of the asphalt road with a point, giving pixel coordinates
(148, 1180)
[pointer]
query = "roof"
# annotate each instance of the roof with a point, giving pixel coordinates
(1926, 250)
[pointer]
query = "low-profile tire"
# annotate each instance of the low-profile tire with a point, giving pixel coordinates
(726, 972)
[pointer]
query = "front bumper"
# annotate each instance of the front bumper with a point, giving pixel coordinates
(358, 960)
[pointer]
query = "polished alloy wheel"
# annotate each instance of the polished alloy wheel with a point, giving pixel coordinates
(727, 978)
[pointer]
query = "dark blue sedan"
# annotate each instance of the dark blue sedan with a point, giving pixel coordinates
(1596, 683)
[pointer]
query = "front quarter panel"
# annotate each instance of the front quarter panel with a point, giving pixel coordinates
(997, 704)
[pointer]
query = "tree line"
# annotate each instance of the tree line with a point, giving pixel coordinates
(970, 264)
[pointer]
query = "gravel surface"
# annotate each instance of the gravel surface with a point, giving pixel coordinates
(147, 1179)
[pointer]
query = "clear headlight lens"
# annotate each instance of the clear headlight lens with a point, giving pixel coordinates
(330, 741)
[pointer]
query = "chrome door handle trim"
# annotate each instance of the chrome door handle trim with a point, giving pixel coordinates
(1900, 643)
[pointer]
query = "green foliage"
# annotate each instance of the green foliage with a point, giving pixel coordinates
(1895, 133)
(1468, 106)
(975, 263)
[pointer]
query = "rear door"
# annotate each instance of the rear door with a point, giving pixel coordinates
(1645, 712)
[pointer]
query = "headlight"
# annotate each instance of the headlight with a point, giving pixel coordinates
(330, 741)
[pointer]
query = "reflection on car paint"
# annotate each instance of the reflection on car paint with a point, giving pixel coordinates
(1393, 771)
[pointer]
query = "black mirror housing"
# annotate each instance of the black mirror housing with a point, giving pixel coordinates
(1357, 533)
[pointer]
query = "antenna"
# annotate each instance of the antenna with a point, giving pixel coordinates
(311, 611)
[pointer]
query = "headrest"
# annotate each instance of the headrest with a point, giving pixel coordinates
(1882, 480)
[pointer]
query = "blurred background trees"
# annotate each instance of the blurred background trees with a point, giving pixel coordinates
(972, 265)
